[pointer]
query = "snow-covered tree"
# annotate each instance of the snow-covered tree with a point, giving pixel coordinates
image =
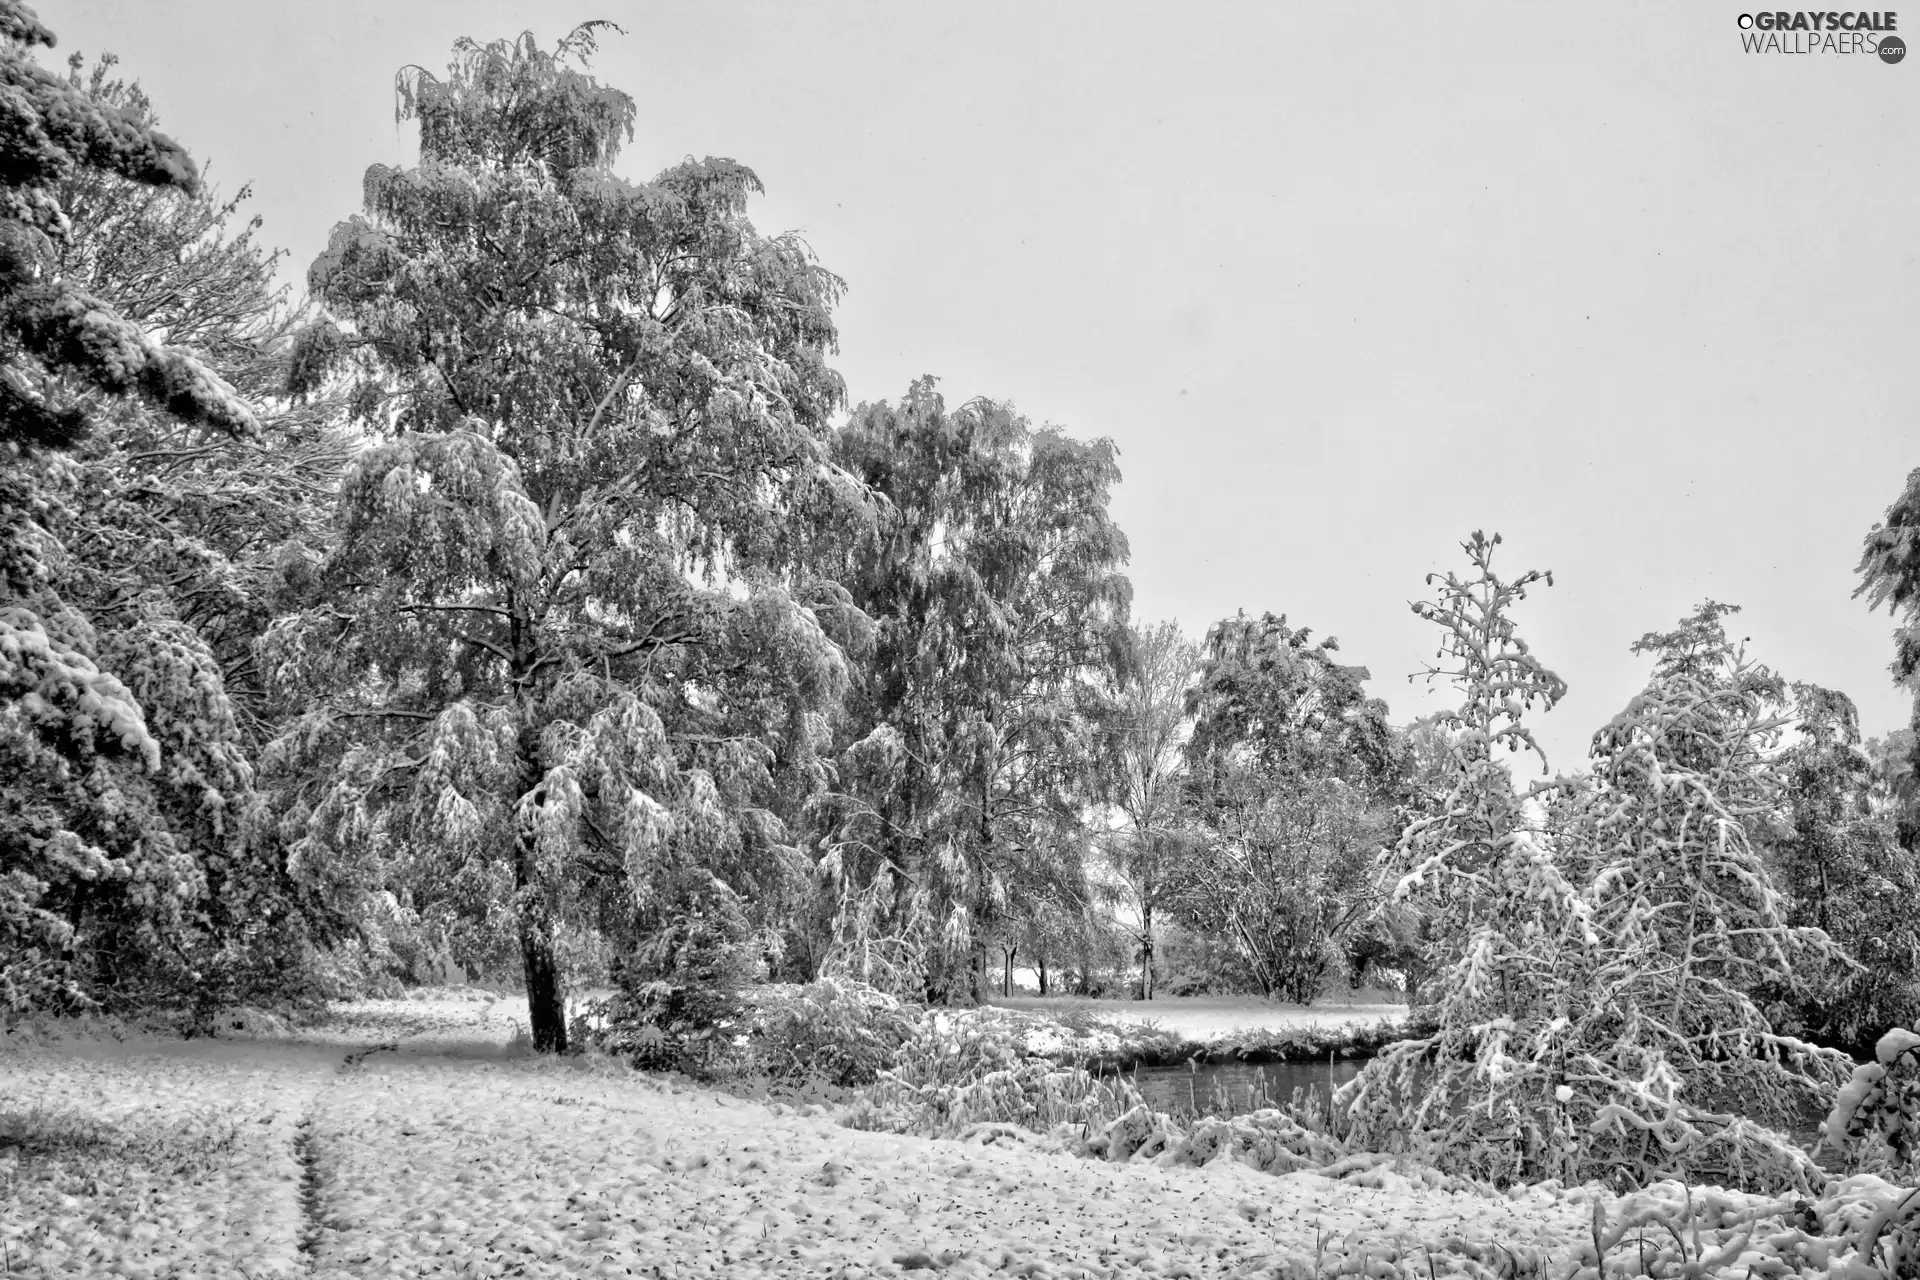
(174, 539)
(1837, 856)
(1692, 923)
(1893, 786)
(1473, 868)
(1599, 1021)
(1143, 759)
(1889, 573)
(1283, 875)
(1288, 772)
(48, 323)
(993, 581)
(566, 669)
(1447, 851)
(119, 759)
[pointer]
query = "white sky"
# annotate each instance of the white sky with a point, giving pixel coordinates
(1343, 283)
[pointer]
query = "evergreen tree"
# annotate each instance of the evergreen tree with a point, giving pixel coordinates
(117, 747)
(566, 667)
(54, 130)
(1684, 790)
(1443, 855)
(175, 539)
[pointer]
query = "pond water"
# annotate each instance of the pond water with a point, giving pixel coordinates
(1235, 1088)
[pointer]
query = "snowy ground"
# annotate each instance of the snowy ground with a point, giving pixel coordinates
(420, 1138)
(1206, 1017)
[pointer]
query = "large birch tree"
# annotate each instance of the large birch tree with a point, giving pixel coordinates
(565, 667)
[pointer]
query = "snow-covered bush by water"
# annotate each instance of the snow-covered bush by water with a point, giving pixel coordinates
(839, 1034)
(978, 1067)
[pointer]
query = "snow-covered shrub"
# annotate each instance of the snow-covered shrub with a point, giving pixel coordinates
(349, 969)
(1857, 1228)
(1875, 1123)
(682, 998)
(1312, 1043)
(843, 1033)
(957, 1072)
(1271, 1140)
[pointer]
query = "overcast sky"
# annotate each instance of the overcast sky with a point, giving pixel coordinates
(1343, 283)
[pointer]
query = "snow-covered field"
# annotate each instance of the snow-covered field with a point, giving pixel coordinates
(420, 1138)
(1206, 1017)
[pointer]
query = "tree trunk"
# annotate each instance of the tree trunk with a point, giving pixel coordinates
(1006, 984)
(546, 1004)
(546, 1007)
(1146, 951)
(1043, 972)
(981, 984)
